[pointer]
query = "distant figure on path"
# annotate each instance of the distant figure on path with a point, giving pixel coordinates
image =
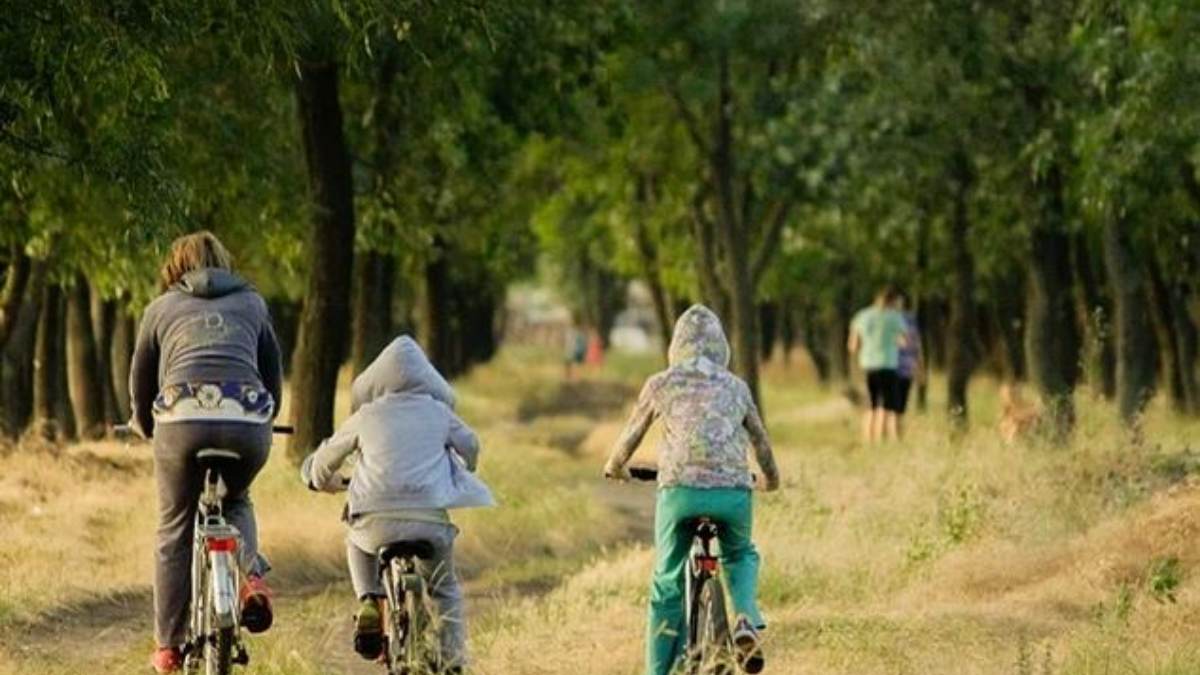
(206, 373)
(876, 336)
(575, 346)
(911, 364)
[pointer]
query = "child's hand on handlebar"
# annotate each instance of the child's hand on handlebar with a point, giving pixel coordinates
(616, 472)
(761, 484)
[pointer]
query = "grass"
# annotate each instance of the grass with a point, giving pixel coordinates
(936, 555)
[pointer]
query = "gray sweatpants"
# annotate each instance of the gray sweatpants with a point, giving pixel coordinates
(180, 483)
(368, 534)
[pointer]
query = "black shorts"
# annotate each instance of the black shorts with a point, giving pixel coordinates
(881, 384)
(903, 385)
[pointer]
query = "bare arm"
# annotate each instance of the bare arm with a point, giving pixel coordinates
(635, 431)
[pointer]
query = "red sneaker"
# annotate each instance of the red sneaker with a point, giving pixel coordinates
(256, 605)
(167, 660)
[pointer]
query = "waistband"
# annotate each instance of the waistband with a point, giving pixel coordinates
(214, 401)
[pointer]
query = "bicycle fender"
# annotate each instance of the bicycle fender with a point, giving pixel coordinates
(224, 588)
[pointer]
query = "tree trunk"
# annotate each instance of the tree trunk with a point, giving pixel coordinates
(836, 320)
(768, 322)
(648, 257)
(1052, 344)
(923, 306)
(787, 330)
(325, 319)
(961, 329)
(1177, 370)
(16, 359)
(104, 320)
(1187, 339)
(1095, 313)
(816, 344)
(48, 366)
(1134, 342)
(120, 357)
(16, 278)
(1009, 321)
(85, 390)
(734, 237)
(375, 274)
(436, 315)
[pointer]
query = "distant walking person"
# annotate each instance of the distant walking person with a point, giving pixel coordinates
(876, 336)
(205, 374)
(911, 364)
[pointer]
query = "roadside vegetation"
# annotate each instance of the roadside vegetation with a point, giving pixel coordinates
(933, 556)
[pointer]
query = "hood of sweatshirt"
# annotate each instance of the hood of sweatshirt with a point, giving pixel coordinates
(698, 335)
(401, 367)
(210, 282)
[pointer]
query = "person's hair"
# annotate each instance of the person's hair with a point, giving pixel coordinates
(194, 251)
(887, 294)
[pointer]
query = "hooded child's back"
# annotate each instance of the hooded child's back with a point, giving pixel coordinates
(403, 428)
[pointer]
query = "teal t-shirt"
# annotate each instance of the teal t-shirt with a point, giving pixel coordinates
(879, 330)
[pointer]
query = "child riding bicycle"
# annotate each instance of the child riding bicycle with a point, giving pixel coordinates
(415, 458)
(709, 420)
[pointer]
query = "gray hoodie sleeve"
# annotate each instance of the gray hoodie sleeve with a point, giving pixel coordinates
(270, 360)
(143, 374)
(464, 441)
(320, 469)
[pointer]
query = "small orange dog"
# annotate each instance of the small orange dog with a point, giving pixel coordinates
(1018, 417)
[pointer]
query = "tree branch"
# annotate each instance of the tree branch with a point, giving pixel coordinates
(770, 241)
(688, 116)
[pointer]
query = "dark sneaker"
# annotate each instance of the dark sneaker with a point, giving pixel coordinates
(368, 630)
(257, 615)
(167, 660)
(748, 647)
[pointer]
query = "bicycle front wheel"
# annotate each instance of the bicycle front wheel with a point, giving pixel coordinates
(713, 654)
(218, 653)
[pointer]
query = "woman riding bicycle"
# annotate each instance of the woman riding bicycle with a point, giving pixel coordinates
(206, 373)
(709, 420)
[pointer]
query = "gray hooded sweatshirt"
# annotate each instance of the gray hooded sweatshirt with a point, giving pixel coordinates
(413, 451)
(212, 326)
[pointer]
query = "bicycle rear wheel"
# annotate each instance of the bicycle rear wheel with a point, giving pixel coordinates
(218, 653)
(713, 652)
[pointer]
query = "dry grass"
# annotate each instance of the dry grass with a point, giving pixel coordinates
(932, 556)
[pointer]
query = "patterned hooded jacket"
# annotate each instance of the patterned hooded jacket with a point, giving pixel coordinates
(709, 418)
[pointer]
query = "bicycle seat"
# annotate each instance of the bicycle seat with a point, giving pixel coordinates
(213, 458)
(704, 527)
(414, 548)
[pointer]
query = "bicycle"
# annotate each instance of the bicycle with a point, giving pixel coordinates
(214, 641)
(410, 643)
(710, 649)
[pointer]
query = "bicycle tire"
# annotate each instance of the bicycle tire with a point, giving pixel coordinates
(218, 653)
(713, 650)
(415, 647)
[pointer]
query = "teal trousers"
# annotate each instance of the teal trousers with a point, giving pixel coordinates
(732, 510)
